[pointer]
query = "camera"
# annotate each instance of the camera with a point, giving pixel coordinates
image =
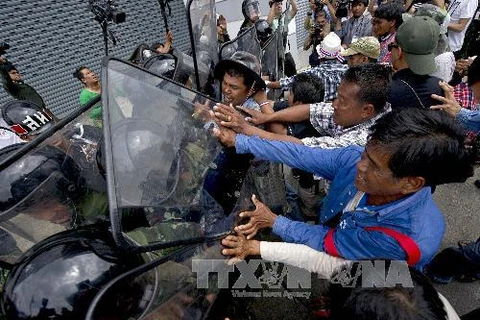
(4, 47)
(318, 29)
(106, 10)
(342, 8)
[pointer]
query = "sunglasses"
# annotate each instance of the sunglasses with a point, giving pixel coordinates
(392, 45)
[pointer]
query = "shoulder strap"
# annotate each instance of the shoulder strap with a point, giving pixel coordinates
(414, 92)
(408, 244)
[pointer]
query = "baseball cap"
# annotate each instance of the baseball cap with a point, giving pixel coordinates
(418, 38)
(368, 46)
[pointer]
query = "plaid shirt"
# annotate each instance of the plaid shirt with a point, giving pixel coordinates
(330, 73)
(384, 56)
(321, 117)
(463, 94)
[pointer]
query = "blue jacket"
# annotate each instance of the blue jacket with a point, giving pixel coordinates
(416, 216)
(470, 119)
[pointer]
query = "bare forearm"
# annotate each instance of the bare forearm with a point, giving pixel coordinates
(275, 127)
(458, 27)
(274, 85)
(254, 131)
(308, 43)
(293, 114)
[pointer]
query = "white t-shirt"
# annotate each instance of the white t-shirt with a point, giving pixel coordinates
(460, 9)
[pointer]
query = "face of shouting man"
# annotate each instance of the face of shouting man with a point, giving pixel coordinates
(234, 89)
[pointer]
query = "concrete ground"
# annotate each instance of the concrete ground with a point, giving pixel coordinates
(460, 204)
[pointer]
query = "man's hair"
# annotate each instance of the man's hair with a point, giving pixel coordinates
(373, 81)
(390, 11)
(354, 302)
(248, 79)
(10, 67)
(307, 88)
(78, 73)
(319, 12)
(474, 72)
(423, 143)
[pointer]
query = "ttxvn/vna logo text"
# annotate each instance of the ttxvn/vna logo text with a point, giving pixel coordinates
(272, 275)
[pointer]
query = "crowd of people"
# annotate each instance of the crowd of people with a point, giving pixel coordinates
(365, 135)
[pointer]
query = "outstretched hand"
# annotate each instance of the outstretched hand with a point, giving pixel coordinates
(225, 135)
(449, 104)
(260, 218)
(238, 247)
(231, 118)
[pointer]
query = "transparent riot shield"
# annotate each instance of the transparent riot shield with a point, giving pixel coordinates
(270, 64)
(51, 184)
(247, 41)
(203, 37)
(165, 170)
(188, 283)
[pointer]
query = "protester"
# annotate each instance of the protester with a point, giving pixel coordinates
(380, 197)
(364, 50)
(413, 59)
(361, 101)
(444, 58)
(386, 20)
(469, 118)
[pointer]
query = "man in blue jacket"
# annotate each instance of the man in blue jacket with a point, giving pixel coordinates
(379, 204)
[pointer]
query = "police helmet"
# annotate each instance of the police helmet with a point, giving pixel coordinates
(251, 9)
(264, 30)
(26, 118)
(59, 277)
(162, 64)
(45, 176)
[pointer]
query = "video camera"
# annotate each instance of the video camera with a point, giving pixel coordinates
(318, 29)
(318, 4)
(106, 10)
(4, 47)
(342, 8)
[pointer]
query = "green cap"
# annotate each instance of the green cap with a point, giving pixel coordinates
(418, 38)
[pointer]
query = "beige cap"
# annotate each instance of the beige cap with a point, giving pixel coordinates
(368, 46)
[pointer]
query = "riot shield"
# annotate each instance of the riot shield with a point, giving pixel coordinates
(203, 37)
(51, 184)
(162, 162)
(188, 283)
(247, 41)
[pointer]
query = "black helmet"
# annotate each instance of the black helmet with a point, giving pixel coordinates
(163, 64)
(251, 9)
(41, 178)
(59, 277)
(264, 30)
(26, 118)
